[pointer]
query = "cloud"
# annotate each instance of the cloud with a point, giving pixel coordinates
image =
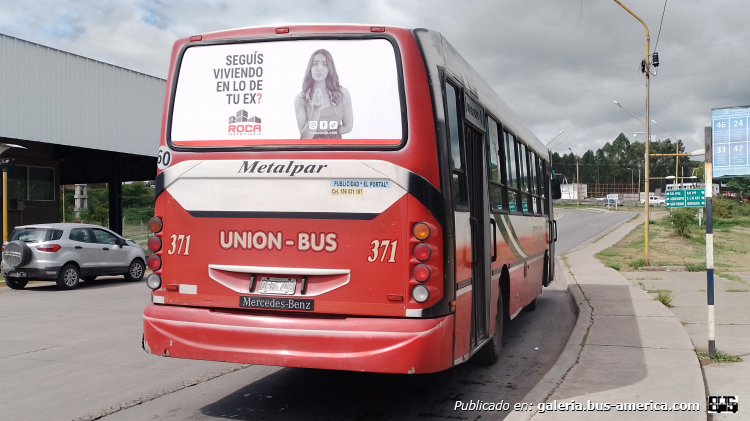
(559, 64)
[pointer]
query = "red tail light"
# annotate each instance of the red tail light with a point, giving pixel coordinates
(154, 243)
(50, 248)
(422, 252)
(154, 262)
(421, 272)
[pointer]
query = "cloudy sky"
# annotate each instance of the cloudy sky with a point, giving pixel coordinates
(559, 64)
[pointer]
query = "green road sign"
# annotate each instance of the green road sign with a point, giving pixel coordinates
(675, 198)
(695, 198)
(691, 198)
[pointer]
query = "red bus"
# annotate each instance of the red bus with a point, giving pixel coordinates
(387, 214)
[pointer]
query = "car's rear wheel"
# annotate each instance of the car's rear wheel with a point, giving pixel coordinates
(69, 277)
(135, 270)
(16, 283)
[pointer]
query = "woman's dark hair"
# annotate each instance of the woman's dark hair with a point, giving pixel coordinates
(332, 80)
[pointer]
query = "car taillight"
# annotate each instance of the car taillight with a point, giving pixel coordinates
(154, 262)
(49, 248)
(154, 243)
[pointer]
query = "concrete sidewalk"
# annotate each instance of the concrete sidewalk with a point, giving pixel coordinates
(626, 348)
(732, 326)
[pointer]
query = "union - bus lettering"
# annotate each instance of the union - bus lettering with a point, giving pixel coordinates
(275, 168)
(248, 240)
(317, 241)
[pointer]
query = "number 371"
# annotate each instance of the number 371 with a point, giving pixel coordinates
(383, 244)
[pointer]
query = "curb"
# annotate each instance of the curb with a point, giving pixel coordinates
(570, 354)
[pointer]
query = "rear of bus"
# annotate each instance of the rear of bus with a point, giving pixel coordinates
(323, 252)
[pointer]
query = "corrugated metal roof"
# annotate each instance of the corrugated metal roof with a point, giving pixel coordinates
(52, 96)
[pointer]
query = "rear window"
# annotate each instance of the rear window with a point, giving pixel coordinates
(29, 235)
(294, 92)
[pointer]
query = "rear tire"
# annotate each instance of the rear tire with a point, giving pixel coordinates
(135, 270)
(531, 306)
(15, 284)
(490, 352)
(69, 277)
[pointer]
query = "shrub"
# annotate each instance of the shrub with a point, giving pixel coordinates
(681, 219)
(635, 264)
(723, 208)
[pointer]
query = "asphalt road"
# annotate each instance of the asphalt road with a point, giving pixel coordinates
(77, 355)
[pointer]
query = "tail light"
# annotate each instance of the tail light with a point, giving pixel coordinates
(49, 248)
(155, 224)
(154, 243)
(421, 231)
(421, 272)
(420, 293)
(422, 252)
(154, 262)
(153, 281)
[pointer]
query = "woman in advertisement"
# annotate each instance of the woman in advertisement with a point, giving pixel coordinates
(324, 107)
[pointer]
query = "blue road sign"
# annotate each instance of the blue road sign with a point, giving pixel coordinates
(731, 141)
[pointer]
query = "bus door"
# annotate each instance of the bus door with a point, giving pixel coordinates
(479, 219)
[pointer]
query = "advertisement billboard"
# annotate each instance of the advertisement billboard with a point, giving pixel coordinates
(290, 92)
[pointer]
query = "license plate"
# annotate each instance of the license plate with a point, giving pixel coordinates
(277, 303)
(277, 286)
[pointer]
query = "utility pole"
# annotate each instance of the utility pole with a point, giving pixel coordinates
(646, 69)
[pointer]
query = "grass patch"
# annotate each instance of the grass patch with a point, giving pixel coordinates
(658, 291)
(721, 357)
(613, 265)
(702, 290)
(729, 276)
(665, 297)
(585, 337)
(695, 267)
(635, 264)
(564, 259)
(737, 290)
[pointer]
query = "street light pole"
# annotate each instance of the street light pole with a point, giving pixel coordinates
(646, 69)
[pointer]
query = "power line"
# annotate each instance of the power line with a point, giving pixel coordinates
(589, 54)
(654, 106)
(629, 84)
(620, 62)
(662, 21)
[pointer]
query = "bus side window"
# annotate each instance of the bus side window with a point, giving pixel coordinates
(523, 166)
(533, 165)
(460, 196)
(511, 174)
(494, 167)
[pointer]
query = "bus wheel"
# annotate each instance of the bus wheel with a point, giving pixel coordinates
(532, 305)
(490, 352)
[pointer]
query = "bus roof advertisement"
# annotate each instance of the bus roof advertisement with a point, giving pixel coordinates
(326, 92)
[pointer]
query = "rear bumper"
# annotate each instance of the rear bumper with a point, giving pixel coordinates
(385, 345)
(31, 273)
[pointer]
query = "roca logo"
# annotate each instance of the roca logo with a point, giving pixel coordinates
(241, 124)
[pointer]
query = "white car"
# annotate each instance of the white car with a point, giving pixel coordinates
(656, 201)
(67, 253)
